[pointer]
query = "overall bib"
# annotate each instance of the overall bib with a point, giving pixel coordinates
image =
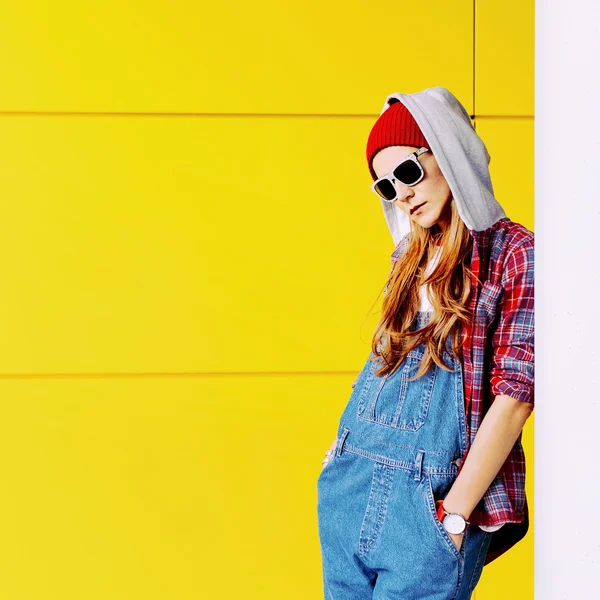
(399, 444)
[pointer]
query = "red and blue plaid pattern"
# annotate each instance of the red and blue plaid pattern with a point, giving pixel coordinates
(498, 357)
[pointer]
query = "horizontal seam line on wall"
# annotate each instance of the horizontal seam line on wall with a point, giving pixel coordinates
(201, 114)
(6, 376)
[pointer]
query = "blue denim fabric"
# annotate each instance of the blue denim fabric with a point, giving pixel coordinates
(399, 444)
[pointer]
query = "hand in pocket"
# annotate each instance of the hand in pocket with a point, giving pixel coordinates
(332, 448)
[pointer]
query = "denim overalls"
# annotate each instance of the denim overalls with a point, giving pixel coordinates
(399, 444)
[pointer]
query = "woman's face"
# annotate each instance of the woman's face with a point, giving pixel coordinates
(432, 191)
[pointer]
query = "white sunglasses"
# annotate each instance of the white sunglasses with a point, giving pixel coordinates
(409, 171)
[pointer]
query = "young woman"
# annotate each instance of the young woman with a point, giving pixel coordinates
(424, 483)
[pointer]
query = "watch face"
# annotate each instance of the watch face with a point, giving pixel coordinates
(454, 523)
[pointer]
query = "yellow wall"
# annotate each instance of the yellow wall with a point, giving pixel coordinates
(190, 259)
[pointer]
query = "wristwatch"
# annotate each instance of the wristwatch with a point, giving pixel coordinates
(453, 522)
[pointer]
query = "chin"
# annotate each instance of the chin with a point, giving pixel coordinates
(423, 221)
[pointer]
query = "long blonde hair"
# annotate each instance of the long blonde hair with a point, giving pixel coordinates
(449, 293)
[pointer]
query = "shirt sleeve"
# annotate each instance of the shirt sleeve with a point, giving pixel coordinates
(512, 363)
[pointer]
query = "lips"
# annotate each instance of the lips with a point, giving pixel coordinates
(412, 210)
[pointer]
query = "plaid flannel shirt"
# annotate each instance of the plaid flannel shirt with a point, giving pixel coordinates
(498, 359)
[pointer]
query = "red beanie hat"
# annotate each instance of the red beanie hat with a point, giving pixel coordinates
(395, 127)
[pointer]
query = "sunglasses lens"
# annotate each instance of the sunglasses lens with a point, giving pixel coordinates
(385, 188)
(408, 172)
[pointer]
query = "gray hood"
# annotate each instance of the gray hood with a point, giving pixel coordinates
(461, 155)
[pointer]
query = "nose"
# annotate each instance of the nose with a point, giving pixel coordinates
(403, 191)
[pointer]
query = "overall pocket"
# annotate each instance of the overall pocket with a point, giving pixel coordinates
(394, 401)
(437, 524)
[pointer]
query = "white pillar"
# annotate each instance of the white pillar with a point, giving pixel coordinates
(567, 298)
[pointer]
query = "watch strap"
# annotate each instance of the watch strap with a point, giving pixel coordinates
(440, 509)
